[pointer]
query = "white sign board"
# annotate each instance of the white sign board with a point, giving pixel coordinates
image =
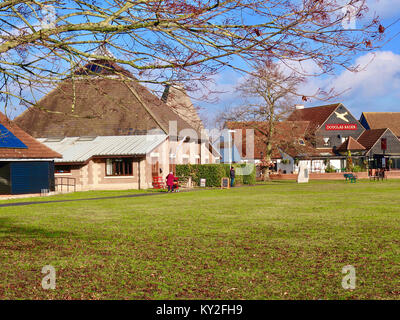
(202, 182)
(303, 177)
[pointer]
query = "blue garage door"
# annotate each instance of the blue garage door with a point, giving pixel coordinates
(29, 177)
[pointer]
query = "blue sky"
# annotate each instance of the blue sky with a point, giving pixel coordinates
(375, 88)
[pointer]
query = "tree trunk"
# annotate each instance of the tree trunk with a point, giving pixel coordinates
(268, 149)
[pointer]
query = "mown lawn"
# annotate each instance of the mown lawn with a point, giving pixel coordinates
(278, 241)
(80, 195)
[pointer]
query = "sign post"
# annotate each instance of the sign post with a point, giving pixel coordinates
(225, 183)
(302, 177)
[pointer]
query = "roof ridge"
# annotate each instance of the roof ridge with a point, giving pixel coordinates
(322, 106)
(150, 112)
(381, 112)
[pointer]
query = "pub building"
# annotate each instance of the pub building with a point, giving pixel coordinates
(323, 137)
(334, 133)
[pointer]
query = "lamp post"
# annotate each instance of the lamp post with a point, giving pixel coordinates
(231, 147)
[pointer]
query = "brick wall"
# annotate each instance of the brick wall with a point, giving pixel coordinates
(319, 176)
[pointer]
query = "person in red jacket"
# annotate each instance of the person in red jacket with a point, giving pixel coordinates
(170, 181)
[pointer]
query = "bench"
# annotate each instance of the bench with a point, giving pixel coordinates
(351, 177)
(379, 175)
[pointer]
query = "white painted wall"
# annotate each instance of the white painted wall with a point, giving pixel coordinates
(335, 163)
(317, 166)
(289, 167)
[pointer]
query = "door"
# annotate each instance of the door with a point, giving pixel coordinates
(29, 177)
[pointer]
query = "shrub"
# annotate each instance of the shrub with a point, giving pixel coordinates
(214, 172)
(248, 178)
(330, 169)
(357, 169)
(211, 172)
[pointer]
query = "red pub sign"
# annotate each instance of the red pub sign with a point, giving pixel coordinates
(350, 126)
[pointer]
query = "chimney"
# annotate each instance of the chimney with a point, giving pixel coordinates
(299, 106)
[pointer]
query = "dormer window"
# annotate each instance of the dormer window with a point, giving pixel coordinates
(301, 142)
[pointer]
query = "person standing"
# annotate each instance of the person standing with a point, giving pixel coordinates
(170, 181)
(232, 176)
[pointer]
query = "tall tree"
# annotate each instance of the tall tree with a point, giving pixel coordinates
(268, 94)
(168, 41)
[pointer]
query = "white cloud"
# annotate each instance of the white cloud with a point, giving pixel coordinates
(379, 77)
(376, 87)
(310, 70)
(384, 8)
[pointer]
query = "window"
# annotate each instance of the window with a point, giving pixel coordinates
(301, 142)
(119, 167)
(62, 169)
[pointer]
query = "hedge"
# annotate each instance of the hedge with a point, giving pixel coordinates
(214, 172)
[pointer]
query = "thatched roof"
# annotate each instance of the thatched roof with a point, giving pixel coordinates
(99, 106)
(179, 101)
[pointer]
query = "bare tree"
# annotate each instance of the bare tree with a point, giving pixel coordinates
(268, 94)
(169, 41)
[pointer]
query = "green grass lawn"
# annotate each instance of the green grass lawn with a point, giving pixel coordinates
(277, 241)
(81, 195)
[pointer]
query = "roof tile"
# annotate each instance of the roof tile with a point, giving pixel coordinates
(35, 150)
(370, 137)
(315, 115)
(350, 144)
(382, 120)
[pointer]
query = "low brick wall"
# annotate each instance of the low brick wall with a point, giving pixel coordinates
(393, 174)
(336, 176)
(283, 176)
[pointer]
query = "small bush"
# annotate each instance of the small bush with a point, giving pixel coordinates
(246, 178)
(214, 172)
(330, 169)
